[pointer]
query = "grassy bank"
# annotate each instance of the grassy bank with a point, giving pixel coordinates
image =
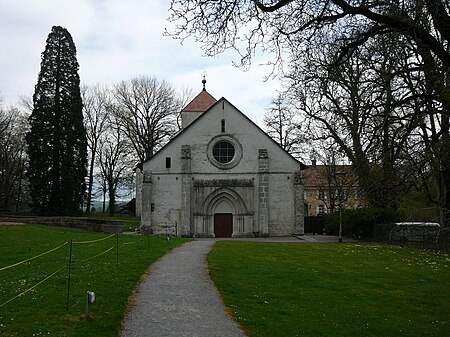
(110, 267)
(333, 289)
(130, 223)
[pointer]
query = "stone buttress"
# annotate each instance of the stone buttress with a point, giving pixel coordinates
(263, 193)
(186, 190)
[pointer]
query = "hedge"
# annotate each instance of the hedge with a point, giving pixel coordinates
(359, 222)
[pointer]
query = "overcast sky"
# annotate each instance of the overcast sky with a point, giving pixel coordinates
(117, 40)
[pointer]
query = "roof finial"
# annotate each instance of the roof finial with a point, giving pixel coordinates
(204, 81)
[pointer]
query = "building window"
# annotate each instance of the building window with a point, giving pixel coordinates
(340, 194)
(320, 209)
(223, 125)
(223, 152)
(321, 195)
(168, 162)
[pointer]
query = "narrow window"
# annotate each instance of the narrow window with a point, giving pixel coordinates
(168, 162)
(321, 195)
(223, 125)
(320, 209)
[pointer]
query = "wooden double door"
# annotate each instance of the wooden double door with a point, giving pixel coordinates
(223, 225)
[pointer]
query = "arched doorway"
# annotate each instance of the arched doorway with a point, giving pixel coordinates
(223, 225)
(224, 205)
(223, 218)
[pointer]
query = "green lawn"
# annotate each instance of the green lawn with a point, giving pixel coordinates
(275, 289)
(42, 311)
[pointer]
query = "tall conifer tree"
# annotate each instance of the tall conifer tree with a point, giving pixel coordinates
(57, 138)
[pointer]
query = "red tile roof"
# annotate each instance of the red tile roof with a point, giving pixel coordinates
(202, 102)
(319, 175)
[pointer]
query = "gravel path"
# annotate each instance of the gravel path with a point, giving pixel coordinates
(179, 299)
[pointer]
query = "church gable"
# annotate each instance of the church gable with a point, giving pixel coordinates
(219, 132)
(222, 176)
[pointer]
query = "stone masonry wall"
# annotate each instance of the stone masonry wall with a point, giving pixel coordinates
(263, 166)
(186, 181)
(139, 182)
(270, 201)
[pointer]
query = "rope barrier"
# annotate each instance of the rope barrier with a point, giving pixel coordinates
(32, 258)
(93, 257)
(37, 284)
(92, 241)
(52, 250)
(65, 266)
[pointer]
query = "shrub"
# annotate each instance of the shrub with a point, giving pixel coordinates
(359, 222)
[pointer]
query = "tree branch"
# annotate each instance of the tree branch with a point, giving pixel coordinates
(271, 8)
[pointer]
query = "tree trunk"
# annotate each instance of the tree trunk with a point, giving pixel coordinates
(91, 181)
(444, 174)
(104, 202)
(19, 189)
(112, 199)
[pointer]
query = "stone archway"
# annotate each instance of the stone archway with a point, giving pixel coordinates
(224, 204)
(226, 195)
(223, 218)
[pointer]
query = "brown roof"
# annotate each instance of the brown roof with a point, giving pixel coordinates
(318, 175)
(202, 102)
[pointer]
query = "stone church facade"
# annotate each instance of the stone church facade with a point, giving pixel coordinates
(220, 176)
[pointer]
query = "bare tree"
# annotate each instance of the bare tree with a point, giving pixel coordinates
(146, 111)
(283, 126)
(292, 25)
(102, 188)
(114, 161)
(364, 108)
(296, 30)
(26, 102)
(342, 182)
(184, 96)
(96, 102)
(13, 159)
(434, 159)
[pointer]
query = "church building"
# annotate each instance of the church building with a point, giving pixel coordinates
(220, 176)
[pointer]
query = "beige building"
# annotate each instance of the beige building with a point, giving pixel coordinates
(220, 176)
(329, 187)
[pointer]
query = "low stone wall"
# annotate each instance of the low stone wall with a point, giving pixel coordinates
(444, 240)
(425, 237)
(89, 224)
(414, 233)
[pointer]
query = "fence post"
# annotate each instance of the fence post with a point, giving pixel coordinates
(70, 268)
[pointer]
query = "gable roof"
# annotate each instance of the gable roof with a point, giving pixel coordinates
(223, 99)
(202, 102)
(320, 175)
